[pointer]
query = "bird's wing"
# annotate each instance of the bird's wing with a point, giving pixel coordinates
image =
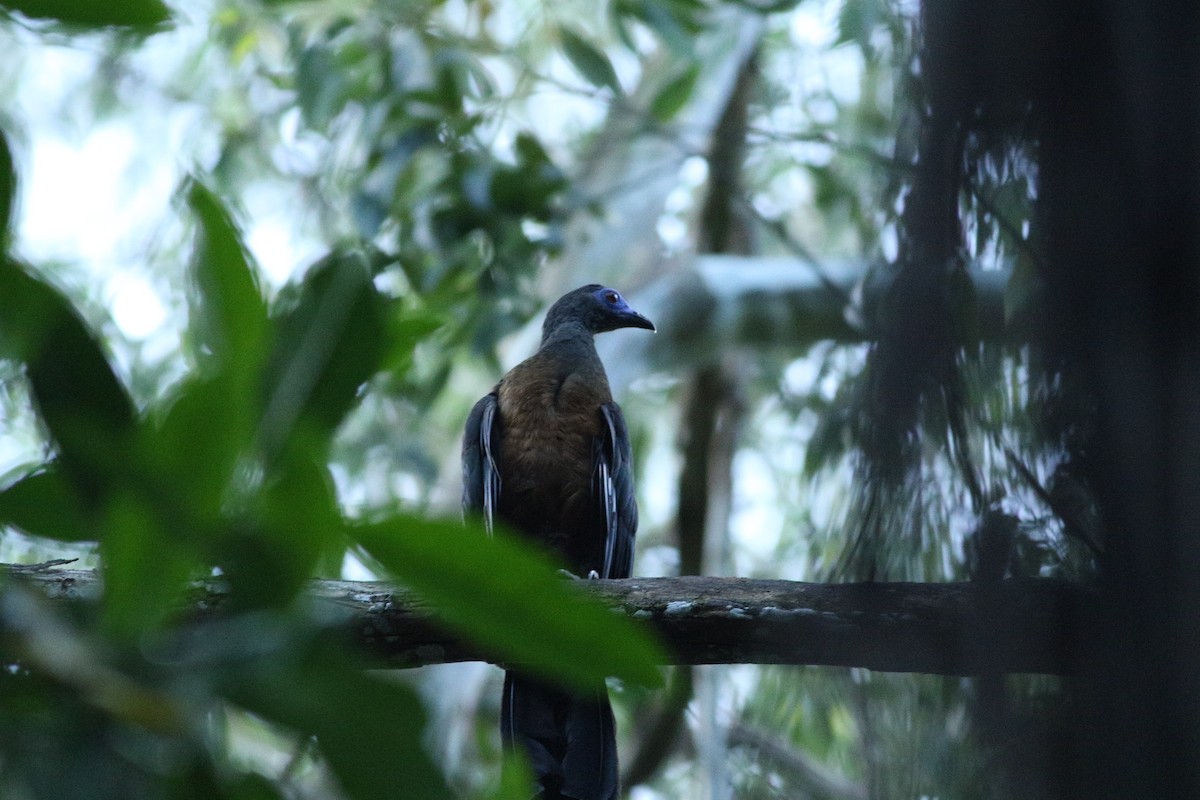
(613, 471)
(481, 477)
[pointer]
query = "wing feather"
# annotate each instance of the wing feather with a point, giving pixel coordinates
(613, 470)
(480, 452)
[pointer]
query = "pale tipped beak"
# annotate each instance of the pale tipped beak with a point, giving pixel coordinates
(635, 320)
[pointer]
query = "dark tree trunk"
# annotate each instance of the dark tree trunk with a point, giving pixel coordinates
(1121, 212)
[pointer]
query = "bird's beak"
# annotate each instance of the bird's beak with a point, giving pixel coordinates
(635, 320)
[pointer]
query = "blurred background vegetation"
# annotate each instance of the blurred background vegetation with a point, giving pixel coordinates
(263, 257)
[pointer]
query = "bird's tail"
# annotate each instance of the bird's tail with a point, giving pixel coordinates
(569, 738)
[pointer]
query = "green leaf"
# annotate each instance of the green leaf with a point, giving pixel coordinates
(674, 95)
(144, 566)
(320, 86)
(618, 14)
(515, 779)
(296, 519)
(370, 731)
(451, 79)
(211, 423)
(856, 22)
(588, 61)
(765, 7)
(8, 192)
(253, 786)
(669, 26)
(84, 406)
(533, 187)
(507, 596)
(485, 87)
(229, 314)
(406, 331)
(330, 343)
(194, 451)
(267, 541)
(45, 504)
(95, 14)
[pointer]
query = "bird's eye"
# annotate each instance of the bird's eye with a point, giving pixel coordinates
(611, 297)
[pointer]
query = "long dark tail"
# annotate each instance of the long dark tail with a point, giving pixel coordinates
(569, 738)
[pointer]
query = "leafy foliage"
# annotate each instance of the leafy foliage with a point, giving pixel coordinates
(135, 14)
(229, 478)
(590, 62)
(512, 585)
(297, 426)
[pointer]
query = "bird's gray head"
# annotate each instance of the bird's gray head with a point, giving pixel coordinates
(594, 307)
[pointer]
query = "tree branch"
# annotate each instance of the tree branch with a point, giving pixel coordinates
(1022, 625)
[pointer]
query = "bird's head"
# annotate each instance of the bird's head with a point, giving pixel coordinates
(597, 308)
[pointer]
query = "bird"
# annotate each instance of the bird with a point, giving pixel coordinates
(547, 453)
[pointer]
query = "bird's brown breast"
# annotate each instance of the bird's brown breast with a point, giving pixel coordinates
(549, 420)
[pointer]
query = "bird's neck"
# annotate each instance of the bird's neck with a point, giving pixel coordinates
(570, 333)
(571, 348)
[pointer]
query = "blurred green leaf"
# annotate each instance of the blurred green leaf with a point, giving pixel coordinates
(75, 724)
(768, 6)
(95, 14)
(193, 452)
(253, 786)
(857, 22)
(330, 343)
(320, 85)
(506, 595)
(144, 566)
(591, 63)
(452, 79)
(618, 17)
(484, 86)
(672, 97)
(296, 518)
(370, 731)
(84, 406)
(658, 17)
(265, 532)
(532, 187)
(675, 21)
(192, 455)
(406, 331)
(515, 779)
(229, 315)
(8, 192)
(45, 504)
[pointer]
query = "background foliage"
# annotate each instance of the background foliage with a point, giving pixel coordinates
(364, 206)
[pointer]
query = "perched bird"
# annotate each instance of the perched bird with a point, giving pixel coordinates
(547, 452)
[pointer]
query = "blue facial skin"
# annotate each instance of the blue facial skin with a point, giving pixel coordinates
(615, 304)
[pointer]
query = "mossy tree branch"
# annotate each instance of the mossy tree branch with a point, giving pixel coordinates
(1014, 626)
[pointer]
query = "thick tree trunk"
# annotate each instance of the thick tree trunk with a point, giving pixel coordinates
(1025, 626)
